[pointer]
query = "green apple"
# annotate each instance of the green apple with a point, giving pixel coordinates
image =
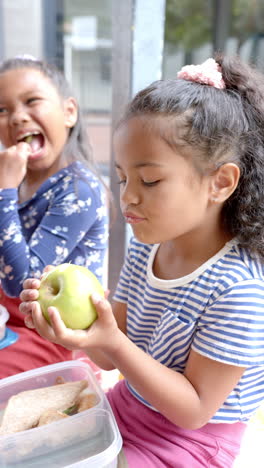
(68, 287)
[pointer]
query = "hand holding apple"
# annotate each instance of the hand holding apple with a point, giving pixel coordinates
(98, 341)
(68, 287)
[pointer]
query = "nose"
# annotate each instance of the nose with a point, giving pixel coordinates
(18, 116)
(129, 194)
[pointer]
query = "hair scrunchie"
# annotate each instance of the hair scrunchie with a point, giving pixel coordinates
(209, 73)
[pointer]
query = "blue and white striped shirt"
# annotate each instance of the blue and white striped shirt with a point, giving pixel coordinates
(217, 310)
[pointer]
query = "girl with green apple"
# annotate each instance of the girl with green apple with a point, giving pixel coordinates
(52, 201)
(186, 328)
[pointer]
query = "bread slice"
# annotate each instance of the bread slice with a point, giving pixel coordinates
(51, 415)
(23, 410)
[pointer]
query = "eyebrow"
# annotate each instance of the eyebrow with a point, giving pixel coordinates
(142, 164)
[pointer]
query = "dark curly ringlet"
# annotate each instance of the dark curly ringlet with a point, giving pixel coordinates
(77, 146)
(218, 126)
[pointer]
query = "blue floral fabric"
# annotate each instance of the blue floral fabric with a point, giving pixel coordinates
(66, 220)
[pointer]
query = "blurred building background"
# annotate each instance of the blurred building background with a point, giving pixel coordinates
(77, 36)
(92, 43)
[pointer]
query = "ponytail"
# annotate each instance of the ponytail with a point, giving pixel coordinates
(243, 211)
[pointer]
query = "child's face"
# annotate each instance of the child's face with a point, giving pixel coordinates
(31, 105)
(162, 196)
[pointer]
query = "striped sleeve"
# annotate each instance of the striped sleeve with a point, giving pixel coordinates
(231, 330)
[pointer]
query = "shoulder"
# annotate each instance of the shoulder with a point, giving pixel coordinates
(237, 274)
(137, 251)
(239, 265)
(78, 182)
(85, 177)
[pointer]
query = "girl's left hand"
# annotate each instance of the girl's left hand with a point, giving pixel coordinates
(102, 334)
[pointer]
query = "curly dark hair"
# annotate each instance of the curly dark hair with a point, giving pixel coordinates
(223, 125)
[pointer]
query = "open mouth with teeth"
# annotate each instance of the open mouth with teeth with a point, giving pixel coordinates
(35, 140)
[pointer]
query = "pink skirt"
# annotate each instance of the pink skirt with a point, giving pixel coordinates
(151, 441)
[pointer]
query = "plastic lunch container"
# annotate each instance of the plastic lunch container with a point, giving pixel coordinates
(4, 316)
(90, 439)
(7, 336)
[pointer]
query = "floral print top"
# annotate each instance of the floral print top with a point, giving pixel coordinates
(66, 220)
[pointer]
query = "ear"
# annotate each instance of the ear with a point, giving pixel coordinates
(224, 182)
(70, 112)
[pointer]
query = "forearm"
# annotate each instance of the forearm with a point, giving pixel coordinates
(168, 391)
(100, 359)
(13, 247)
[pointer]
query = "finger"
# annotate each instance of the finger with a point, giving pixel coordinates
(57, 323)
(48, 268)
(25, 307)
(106, 293)
(29, 295)
(31, 283)
(103, 307)
(23, 149)
(28, 321)
(56, 328)
(70, 339)
(59, 327)
(40, 323)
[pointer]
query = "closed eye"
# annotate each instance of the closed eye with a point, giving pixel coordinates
(150, 184)
(145, 183)
(32, 99)
(122, 181)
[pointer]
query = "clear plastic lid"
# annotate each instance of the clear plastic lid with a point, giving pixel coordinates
(4, 315)
(88, 439)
